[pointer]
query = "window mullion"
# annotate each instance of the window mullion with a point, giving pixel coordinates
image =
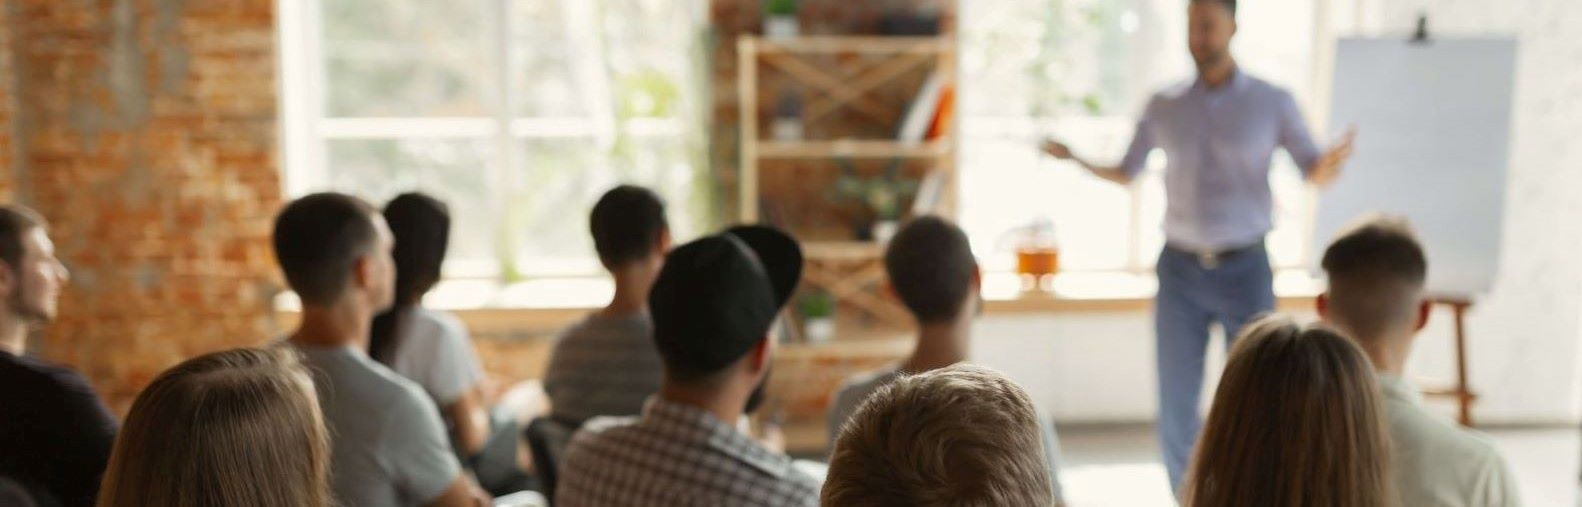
(502, 169)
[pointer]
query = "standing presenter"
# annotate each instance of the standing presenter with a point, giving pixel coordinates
(1219, 132)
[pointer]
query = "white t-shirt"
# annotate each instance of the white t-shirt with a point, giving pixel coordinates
(1439, 464)
(436, 352)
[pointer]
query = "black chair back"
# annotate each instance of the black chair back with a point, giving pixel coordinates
(547, 439)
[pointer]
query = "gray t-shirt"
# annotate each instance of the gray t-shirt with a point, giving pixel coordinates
(388, 445)
(858, 388)
(603, 366)
(437, 353)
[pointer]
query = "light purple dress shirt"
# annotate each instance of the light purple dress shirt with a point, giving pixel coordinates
(1218, 143)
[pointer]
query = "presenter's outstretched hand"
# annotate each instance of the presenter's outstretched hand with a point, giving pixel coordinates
(1327, 169)
(1058, 149)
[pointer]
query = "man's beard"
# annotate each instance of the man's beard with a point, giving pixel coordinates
(1211, 59)
(756, 399)
(20, 308)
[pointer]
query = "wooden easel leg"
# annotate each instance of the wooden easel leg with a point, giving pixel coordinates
(1463, 393)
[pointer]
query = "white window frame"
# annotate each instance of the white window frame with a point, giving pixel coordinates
(307, 128)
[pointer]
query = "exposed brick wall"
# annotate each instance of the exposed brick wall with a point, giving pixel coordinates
(7, 107)
(146, 134)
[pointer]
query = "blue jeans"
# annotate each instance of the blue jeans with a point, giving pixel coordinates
(1192, 297)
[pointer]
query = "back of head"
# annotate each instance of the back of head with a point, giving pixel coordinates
(717, 298)
(1296, 422)
(931, 267)
(15, 222)
(1376, 274)
(239, 427)
(420, 226)
(318, 239)
(961, 435)
(627, 224)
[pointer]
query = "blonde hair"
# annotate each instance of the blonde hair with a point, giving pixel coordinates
(1296, 422)
(963, 435)
(239, 427)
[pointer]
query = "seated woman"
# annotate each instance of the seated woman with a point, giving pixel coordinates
(239, 427)
(1296, 422)
(433, 348)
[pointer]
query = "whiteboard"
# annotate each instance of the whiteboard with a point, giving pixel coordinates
(1433, 130)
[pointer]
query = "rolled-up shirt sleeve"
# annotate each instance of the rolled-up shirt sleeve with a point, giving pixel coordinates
(1142, 142)
(1294, 136)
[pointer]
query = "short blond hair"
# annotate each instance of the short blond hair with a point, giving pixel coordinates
(963, 435)
(238, 427)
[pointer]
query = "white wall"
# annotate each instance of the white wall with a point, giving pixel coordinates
(1524, 337)
(1099, 367)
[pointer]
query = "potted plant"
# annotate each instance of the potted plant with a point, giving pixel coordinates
(882, 196)
(818, 316)
(787, 123)
(780, 19)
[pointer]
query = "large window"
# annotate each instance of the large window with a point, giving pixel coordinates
(1081, 70)
(518, 113)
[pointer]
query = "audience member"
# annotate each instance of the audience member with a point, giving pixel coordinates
(1377, 272)
(387, 440)
(427, 346)
(713, 305)
(239, 427)
(958, 435)
(1296, 421)
(606, 364)
(933, 272)
(55, 434)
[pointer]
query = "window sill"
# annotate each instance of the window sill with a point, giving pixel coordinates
(552, 303)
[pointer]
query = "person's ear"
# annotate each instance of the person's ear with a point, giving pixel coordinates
(1322, 305)
(665, 241)
(8, 280)
(364, 272)
(977, 278)
(1425, 308)
(759, 357)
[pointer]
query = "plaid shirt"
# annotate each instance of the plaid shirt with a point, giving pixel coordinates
(676, 455)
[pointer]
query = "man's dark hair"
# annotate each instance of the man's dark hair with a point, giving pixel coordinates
(15, 222)
(1230, 5)
(931, 266)
(1376, 274)
(627, 222)
(318, 238)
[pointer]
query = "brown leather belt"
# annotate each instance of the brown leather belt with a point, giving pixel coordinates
(1211, 259)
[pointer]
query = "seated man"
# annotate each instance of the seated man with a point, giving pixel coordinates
(971, 437)
(606, 364)
(388, 445)
(932, 270)
(55, 434)
(1376, 274)
(713, 305)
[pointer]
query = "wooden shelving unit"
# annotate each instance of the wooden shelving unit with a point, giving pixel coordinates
(894, 57)
(849, 270)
